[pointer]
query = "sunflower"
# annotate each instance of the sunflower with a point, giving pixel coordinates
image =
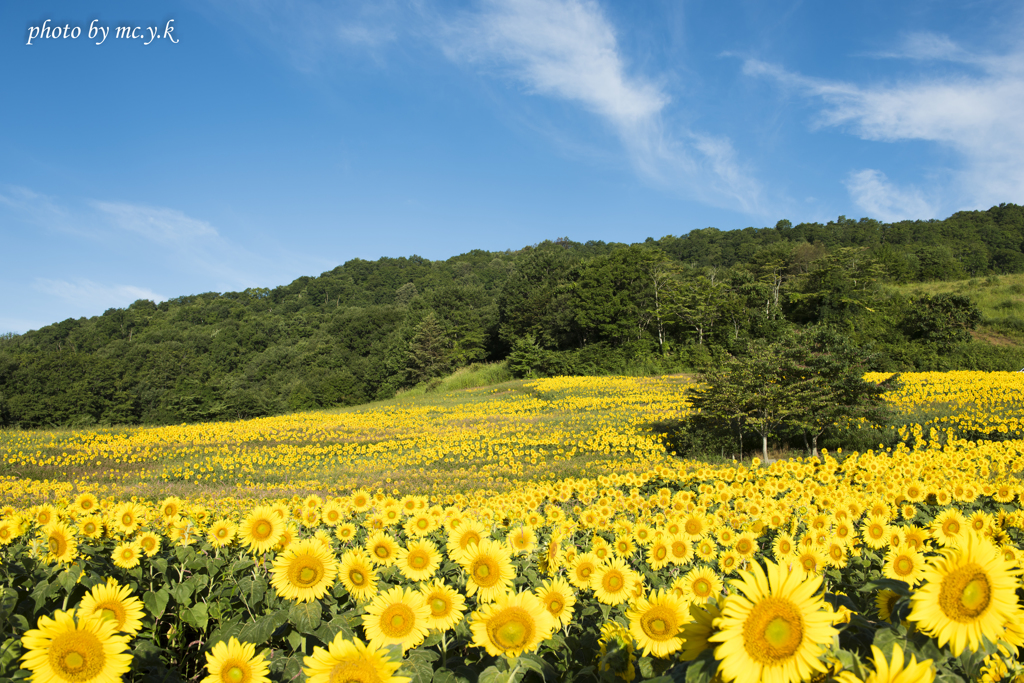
(774, 628)
(127, 518)
(398, 617)
(706, 549)
(127, 555)
(614, 582)
(419, 560)
(351, 661)
(745, 545)
(305, 571)
(899, 670)
(701, 584)
(512, 624)
(446, 605)
(582, 569)
(885, 601)
(658, 553)
(420, 524)
(522, 540)
(656, 623)
(149, 542)
(903, 563)
(262, 529)
(558, 598)
(968, 593)
(345, 532)
(9, 530)
(170, 507)
(489, 566)
(875, 531)
(949, 526)
(382, 548)
(45, 514)
(113, 602)
(810, 560)
(235, 662)
(85, 503)
(60, 542)
(695, 525)
(221, 533)
(357, 574)
(680, 549)
(90, 526)
(66, 648)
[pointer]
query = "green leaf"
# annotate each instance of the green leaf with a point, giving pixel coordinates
(535, 663)
(329, 629)
(492, 675)
(223, 632)
(305, 616)
(259, 632)
(418, 667)
(156, 602)
(196, 615)
(182, 593)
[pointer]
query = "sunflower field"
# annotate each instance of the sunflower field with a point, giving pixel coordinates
(525, 532)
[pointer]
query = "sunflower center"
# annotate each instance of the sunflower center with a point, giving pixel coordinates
(555, 606)
(876, 531)
(612, 581)
(702, 588)
(356, 577)
(773, 631)
(127, 520)
(965, 593)
(261, 530)
(233, 674)
(397, 621)
(511, 629)
(660, 553)
(659, 623)
(743, 546)
(438, 607)
(76, 655)
(55, 544)
(417, 561)
(484, 573)
(903, 565)
(381, 552)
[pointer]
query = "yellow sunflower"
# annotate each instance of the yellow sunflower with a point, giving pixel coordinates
(91, 526)
(489, 566)
(126, 555)
(357, 574)
(85, 503)
(582, 569)
(617, 654)
(614, 582)
(680, 549)
(512, 624)
(658, 553)
(127, 518)
(558, 598)
(235, 662)
(904, 563)
(469, 532)
(305, 571)
(398, 617)
(345, 532)
(419, 560)
(351, 661)
(968, 593)
(67, 649)
(60, 542)
(113, 602)
(382, 548)
(262, 529)
(446, 605)
(522, 540)
(149, 542)
(221, 533)
(701, 584)
(170, 506)
(899, 670)
(774, 628)
(656, 623)
(783, 547)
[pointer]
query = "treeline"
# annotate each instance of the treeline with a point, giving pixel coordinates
(365, 330)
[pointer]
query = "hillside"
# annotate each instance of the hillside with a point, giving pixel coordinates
(365, 330)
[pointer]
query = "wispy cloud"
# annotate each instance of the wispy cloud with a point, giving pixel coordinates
(91, 296)
(168, 227)
(972, 109)
(567, 50)
(871, 190)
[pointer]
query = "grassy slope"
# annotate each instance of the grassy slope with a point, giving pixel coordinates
(1000, 298)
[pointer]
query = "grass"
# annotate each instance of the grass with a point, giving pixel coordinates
(1000, 298)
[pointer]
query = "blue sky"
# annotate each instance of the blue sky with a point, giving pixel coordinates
(274, 140)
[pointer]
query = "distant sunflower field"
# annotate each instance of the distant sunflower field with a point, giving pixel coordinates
(531, 531)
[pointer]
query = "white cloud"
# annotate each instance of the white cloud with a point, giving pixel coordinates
(87, 295)
(566, 49)
(873, 192)
(162, 225)
(973, 110)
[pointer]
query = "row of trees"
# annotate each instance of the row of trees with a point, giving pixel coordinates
(365, 330)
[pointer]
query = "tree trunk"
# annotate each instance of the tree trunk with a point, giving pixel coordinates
(764, 446)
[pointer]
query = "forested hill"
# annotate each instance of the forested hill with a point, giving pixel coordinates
(367, 329)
